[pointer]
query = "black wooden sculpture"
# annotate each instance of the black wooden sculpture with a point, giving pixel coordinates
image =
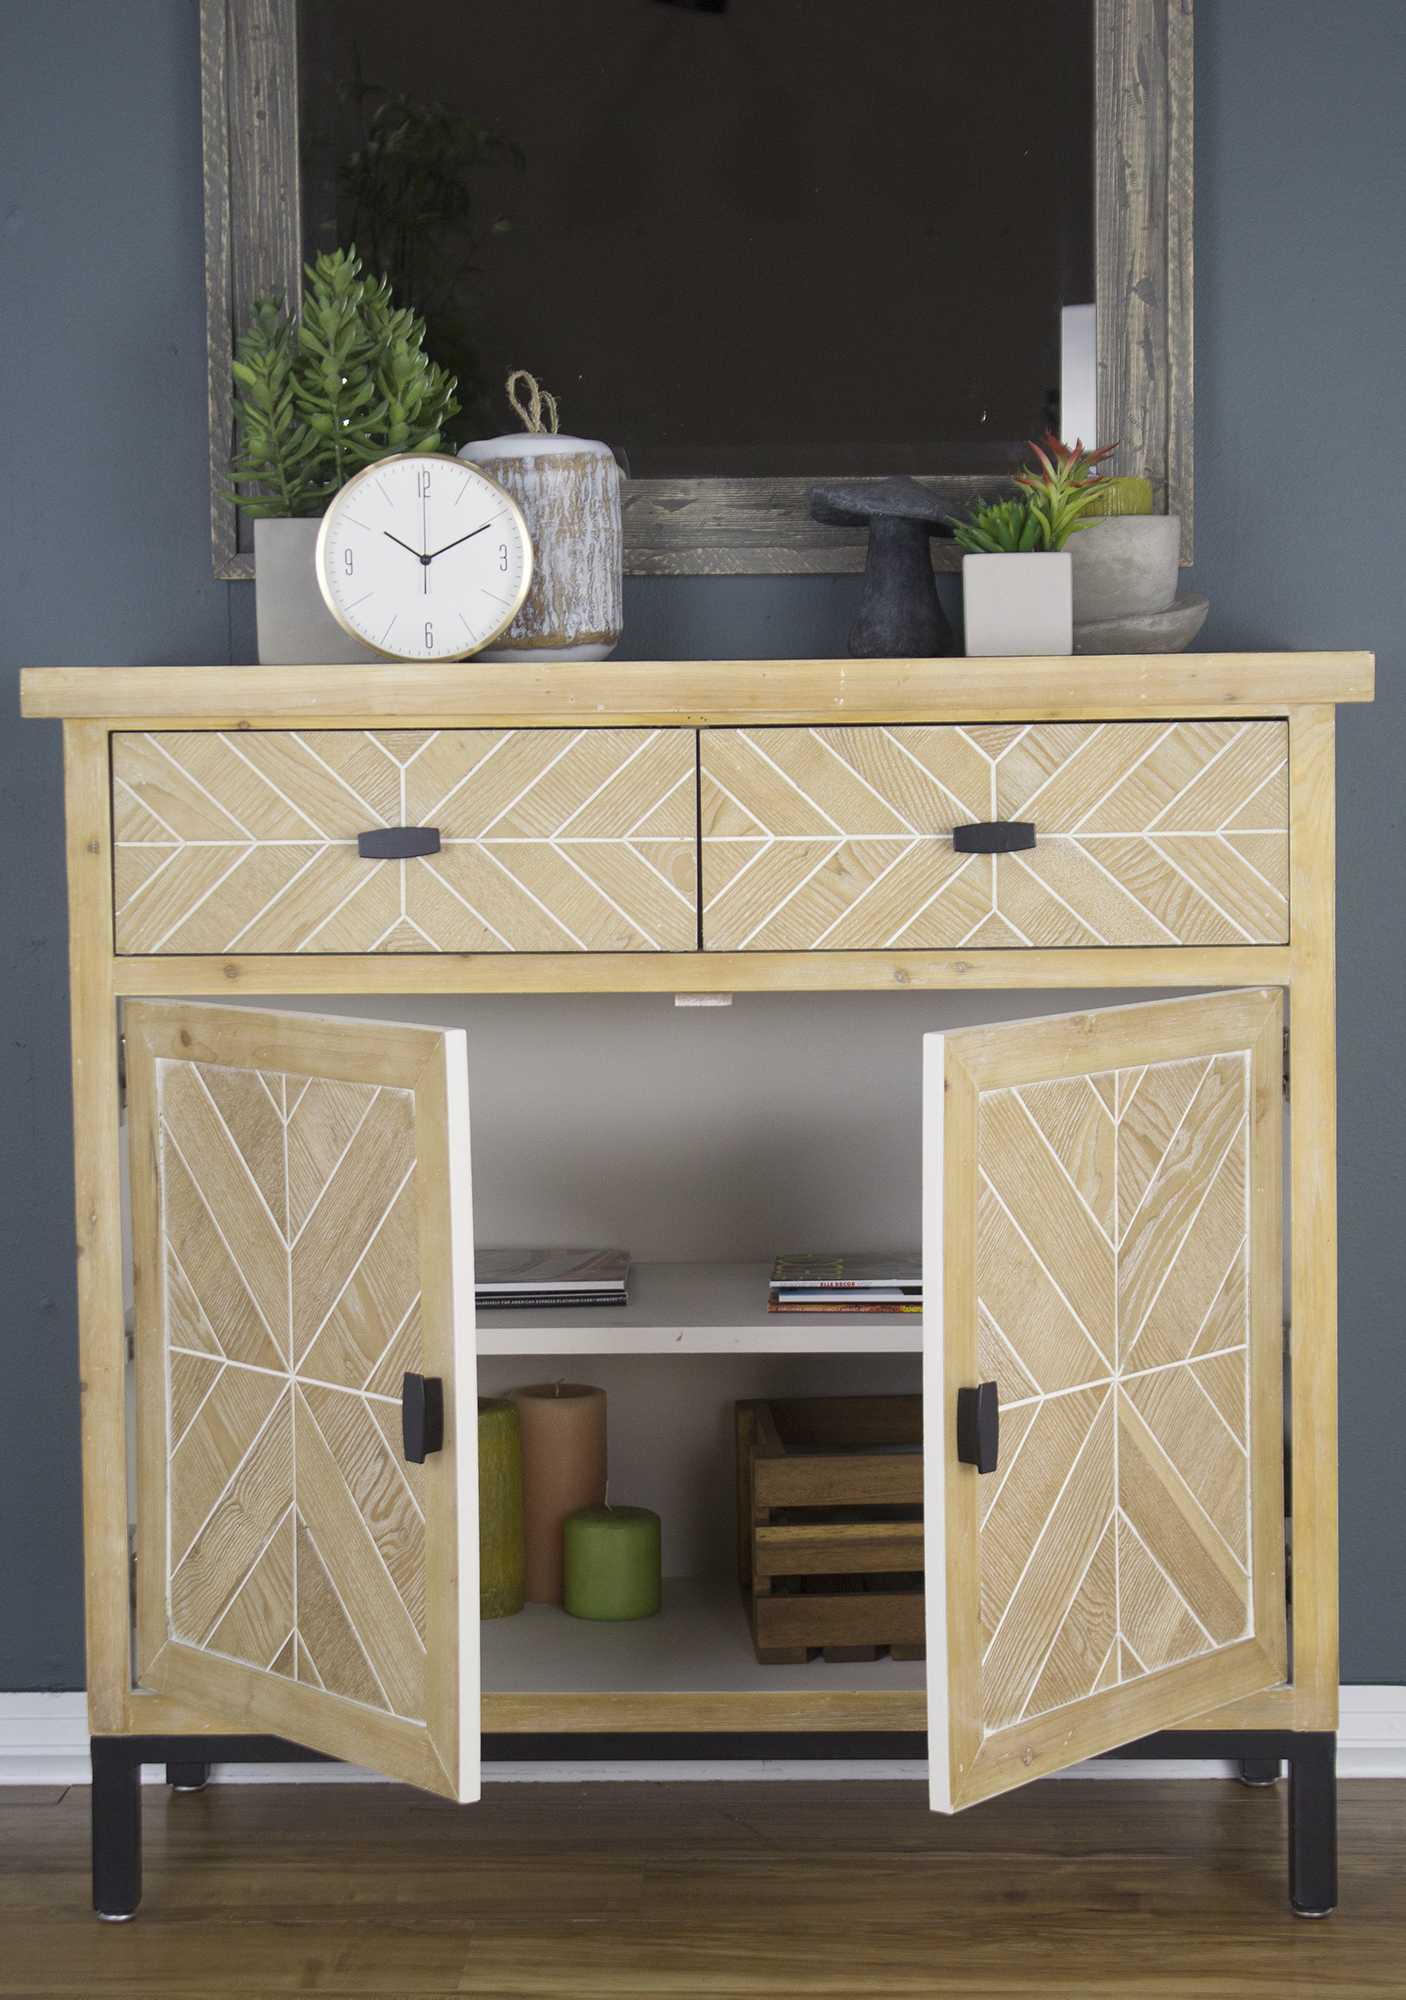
(899, 616)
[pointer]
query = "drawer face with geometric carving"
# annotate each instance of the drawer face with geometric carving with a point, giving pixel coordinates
(1144, 833)
(525, 840)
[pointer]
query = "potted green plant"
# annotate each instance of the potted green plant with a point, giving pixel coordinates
(1125, 561)
(1017, 588)
(317, 397)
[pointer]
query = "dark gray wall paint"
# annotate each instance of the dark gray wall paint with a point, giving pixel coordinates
(1300, 433)
(104, 555)
(1300, 293)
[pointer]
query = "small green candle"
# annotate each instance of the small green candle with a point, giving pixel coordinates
(501, 1554)
(610, 1563)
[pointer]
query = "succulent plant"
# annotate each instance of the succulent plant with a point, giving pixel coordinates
(275, 441)
(1047, 511)
(999, 528)
(1063, 488)
(319, 397)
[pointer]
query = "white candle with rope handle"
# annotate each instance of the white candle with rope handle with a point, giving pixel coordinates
(569, 491)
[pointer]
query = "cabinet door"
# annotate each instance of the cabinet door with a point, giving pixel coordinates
(1102, 1251)
(303, 1245)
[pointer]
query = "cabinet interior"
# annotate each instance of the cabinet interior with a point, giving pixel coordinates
(704, 1140)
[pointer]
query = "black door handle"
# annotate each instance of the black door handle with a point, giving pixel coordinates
(979, 1427)
(993, 836)
(397, 843)
(421, 1417)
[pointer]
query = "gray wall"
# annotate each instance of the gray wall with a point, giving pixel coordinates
(1300, 302)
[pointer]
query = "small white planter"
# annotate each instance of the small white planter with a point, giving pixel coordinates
(1125, 566)
(1018, 604)
(295, 627)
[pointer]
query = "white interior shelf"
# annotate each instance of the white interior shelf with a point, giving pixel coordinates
(698, 1643)
(695, 1309)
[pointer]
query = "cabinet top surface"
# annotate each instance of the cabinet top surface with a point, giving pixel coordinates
(698, 692)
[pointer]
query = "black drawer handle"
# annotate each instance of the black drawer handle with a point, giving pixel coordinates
(421, 1417)
(397, 843)
(979, 1427)
(993, 836)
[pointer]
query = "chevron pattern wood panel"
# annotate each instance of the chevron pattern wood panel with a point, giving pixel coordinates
(288, 1234)
(1113, 1243)
(552, 840)
(1147, 833)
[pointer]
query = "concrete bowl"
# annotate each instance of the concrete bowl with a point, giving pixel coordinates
(1125, 566)
(1169, 631)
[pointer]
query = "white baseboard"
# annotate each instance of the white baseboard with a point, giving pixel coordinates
(44, 1741)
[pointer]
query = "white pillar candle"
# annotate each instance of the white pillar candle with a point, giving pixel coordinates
(569, 491)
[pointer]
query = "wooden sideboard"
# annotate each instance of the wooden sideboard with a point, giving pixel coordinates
(1102, 1191)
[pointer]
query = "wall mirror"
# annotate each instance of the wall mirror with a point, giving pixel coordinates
(751, 243)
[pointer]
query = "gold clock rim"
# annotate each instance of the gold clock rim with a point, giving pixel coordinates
(425, 458)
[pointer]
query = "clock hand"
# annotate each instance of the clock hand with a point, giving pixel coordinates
(454, 545)
(404, 545)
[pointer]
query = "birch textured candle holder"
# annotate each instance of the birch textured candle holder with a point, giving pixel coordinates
(611, 1564)
(569, 491)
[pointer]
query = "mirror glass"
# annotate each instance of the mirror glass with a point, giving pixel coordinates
(736, 238)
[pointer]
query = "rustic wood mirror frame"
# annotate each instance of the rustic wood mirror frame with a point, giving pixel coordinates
(753, 527)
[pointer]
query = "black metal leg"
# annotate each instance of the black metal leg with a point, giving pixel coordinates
(187, 1777)
(117, 1829)
(1311, 1757)
(1313, 1824)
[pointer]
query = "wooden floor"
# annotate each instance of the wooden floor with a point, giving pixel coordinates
(589, 1892)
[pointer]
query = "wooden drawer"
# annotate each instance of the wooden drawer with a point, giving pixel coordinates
(552, 840)
(1147, 833)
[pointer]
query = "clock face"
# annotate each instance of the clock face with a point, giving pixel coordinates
(423, 558)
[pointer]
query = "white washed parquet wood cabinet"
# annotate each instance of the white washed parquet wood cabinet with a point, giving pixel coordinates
(1101, 1191)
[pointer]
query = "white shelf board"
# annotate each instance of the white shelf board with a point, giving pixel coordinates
(695, 1309)
(699, 1643)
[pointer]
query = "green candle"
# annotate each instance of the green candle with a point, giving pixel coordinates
(610, 1563)
(501, 1557)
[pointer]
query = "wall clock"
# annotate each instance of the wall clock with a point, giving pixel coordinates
(423, 557)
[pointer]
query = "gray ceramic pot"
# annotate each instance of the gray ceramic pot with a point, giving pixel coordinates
(295, 627)
(1125, 566)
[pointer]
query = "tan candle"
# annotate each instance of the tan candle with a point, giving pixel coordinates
(563, 1468)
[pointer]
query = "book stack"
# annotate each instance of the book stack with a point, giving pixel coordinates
(551, 1278)
(809, 1283)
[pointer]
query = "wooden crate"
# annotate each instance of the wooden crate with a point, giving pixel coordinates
(830, 1526)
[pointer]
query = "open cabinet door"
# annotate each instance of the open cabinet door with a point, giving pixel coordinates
(304, 1267)
(1102, 1381)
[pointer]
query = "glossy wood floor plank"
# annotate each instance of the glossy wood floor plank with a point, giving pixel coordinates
(638, 1892)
